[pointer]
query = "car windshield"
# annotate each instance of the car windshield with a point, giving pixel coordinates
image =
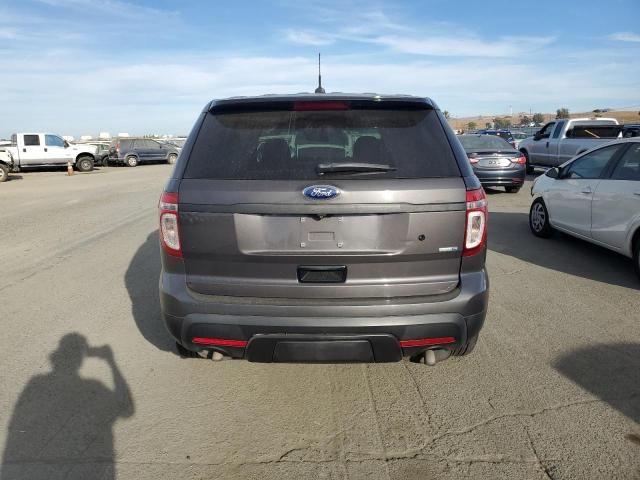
(283, 145)
(484, 143)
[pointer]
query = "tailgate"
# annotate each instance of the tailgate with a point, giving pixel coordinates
(378, 238)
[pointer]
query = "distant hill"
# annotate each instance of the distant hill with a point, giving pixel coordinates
(480, 121)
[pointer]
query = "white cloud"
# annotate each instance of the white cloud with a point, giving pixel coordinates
(78, 83)
(625, 37)
(308, 37)
(140, 99)
(112, 7)
(451, 46)
(354, 25)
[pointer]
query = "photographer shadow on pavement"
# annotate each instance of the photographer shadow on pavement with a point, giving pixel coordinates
(141, 280)
(62, 424)
(611, 372)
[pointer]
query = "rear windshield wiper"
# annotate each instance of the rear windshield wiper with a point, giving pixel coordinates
(349, 167)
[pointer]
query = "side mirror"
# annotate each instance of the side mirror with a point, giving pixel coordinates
(537, 136)
(553, 172)
(66, 144)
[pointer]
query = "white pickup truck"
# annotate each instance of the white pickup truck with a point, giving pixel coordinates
(47, 149)
(6, 164)
(563, 139)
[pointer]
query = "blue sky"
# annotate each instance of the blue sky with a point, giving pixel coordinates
(84, 66)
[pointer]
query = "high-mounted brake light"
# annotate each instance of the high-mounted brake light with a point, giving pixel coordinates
(304, 105)
(169, 231)
(475, 233)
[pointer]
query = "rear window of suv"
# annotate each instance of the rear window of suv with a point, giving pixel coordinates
(289, 145)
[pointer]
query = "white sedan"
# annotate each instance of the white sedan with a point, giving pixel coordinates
(594, 196)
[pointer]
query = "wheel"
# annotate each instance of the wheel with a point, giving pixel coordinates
(84, 164)
(539, 219)
(131, 161)
(636, 257)
(172, 159)
(467, 348)
(512, 189)
(4, 172)
(105, 161)
(529, 168)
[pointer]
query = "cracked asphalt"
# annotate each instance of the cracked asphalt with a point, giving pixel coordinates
(92, 388)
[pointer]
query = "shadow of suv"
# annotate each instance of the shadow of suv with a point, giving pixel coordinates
(132, 151)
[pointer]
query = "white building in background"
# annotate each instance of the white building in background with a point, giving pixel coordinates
(104, 136)
(123, 134)
(68, 138)
(85, 138)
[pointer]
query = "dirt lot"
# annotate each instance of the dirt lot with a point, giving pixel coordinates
(551, 391)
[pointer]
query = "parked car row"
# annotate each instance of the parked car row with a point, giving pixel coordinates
(35, 150)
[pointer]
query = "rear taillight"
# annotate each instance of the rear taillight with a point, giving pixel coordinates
(169, 231)
(521, 160)
(473, 159)
(475, 234)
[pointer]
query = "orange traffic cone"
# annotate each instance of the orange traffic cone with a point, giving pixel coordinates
(69, 169)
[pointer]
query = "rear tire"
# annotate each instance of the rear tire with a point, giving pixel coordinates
(512, 189)
(467, 348)
(84, 164)
(636, 257)
(4, 173)
(539, 219)
(172, 159)
(131, 161)
(105, 161)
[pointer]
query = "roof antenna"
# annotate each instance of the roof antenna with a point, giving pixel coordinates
(319, 89)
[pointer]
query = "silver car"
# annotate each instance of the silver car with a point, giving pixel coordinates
(595, 197)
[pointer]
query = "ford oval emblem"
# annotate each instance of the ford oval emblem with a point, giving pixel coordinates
(321, 192)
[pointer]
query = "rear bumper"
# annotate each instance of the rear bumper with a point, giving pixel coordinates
(513, 177)
(329, 331)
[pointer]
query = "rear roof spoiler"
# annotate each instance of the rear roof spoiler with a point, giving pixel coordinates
(288, 102)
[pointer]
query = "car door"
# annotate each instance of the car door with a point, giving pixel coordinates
(569, 200)
(553, 158)
(539, 146)
(158, 150)
(54, 150)
(31, 150)
(616, 201)
(141, 148)
(153, 150)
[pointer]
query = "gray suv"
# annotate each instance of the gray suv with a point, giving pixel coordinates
(323, 228)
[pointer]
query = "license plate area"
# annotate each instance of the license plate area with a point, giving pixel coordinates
(321, 233)
(494, 162)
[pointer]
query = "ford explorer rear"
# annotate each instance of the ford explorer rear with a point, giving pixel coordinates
(323, 228)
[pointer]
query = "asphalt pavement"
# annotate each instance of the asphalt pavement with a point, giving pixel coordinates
(91, 385)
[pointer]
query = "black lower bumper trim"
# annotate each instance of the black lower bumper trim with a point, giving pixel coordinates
(323, 348)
